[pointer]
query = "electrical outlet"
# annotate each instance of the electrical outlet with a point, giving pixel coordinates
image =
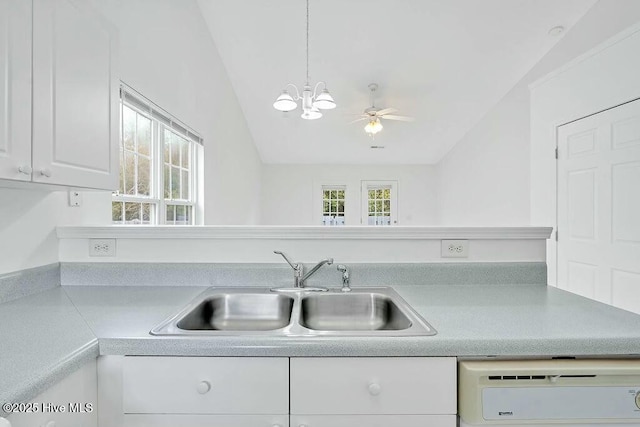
(455, 249)
(102, 247)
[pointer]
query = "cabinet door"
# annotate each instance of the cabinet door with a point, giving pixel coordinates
(15, 89)
(75, 92)
(74, 393)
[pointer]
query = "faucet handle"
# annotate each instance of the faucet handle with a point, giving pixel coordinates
(293, 265)
(345, 277)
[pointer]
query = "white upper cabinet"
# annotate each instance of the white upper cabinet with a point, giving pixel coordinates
(74, 89)
(15, 90)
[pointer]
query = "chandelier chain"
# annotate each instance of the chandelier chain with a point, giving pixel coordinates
(307, 41)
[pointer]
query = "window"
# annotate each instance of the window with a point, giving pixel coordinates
(333, 199)
(158, 176)
(379, 202)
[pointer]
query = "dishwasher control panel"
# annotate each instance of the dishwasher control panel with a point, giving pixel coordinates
(560, 403)
(549, 391)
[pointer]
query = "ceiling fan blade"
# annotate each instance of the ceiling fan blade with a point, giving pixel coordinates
(385, 111)
(358, 120)
(400, 118)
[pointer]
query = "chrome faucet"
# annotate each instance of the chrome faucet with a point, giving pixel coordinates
(298, 269)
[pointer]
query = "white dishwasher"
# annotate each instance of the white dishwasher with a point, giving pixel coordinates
(569, 392)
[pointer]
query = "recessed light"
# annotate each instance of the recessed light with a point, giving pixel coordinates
(556, 31)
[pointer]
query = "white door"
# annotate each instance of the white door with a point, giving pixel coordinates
(599, 206)
(15, 89)
(75, 92)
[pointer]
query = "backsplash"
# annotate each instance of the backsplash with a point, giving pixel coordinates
(362, 274)
(27, 282)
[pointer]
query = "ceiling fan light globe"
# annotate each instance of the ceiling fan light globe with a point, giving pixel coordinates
(285, 102)
(373, 127)
(324, 101)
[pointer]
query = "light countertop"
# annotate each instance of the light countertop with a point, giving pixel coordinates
(471, 320)
(46, 336)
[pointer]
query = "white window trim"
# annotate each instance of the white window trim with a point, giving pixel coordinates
(364, 199)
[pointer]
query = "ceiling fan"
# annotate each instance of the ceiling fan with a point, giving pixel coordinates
(373, 114)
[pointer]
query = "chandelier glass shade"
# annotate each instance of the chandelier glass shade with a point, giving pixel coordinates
(312, 101)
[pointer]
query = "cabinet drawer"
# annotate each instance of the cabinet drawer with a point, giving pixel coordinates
(373, 420)
(397, 385)
(161, 420)
(205, 385)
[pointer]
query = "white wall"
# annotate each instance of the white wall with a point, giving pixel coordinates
(288, 192)
(166, 53)
(28, 219)
(486, 178)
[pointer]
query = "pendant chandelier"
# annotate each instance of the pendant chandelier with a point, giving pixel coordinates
(312, 102)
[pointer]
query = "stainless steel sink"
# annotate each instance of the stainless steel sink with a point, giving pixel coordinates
(352, 312)
(239, 312)
(257, 311)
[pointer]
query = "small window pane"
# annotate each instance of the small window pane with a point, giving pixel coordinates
(167, 181)
(132, 213)
(326, 206)
(122, 163)
(184, 155)
(146, 213)
(144, 135)
(116, 212)
(387, 206)
(341, 207)
(175, 183)
(129, 173)
(175, 150)
(325, 194)
(185, 185)
(171, 214)
(167, 146)
(144, 176)
(128, 128)
(378, 206)
(341, 194)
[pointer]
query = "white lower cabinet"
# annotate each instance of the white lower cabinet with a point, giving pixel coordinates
(74, 393)
(165, 420)
(373, 392)
(138, 391)
(373, 420)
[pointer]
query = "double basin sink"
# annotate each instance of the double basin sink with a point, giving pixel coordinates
(259, 311)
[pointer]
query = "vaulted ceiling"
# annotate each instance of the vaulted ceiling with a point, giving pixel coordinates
(444, 62)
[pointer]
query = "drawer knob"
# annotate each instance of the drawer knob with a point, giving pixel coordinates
(203, 387)
(45, 172)
(25, 170)
(374, 389)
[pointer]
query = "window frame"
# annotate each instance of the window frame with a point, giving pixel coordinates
(333, 187)
(393, 201)
(156, 154)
